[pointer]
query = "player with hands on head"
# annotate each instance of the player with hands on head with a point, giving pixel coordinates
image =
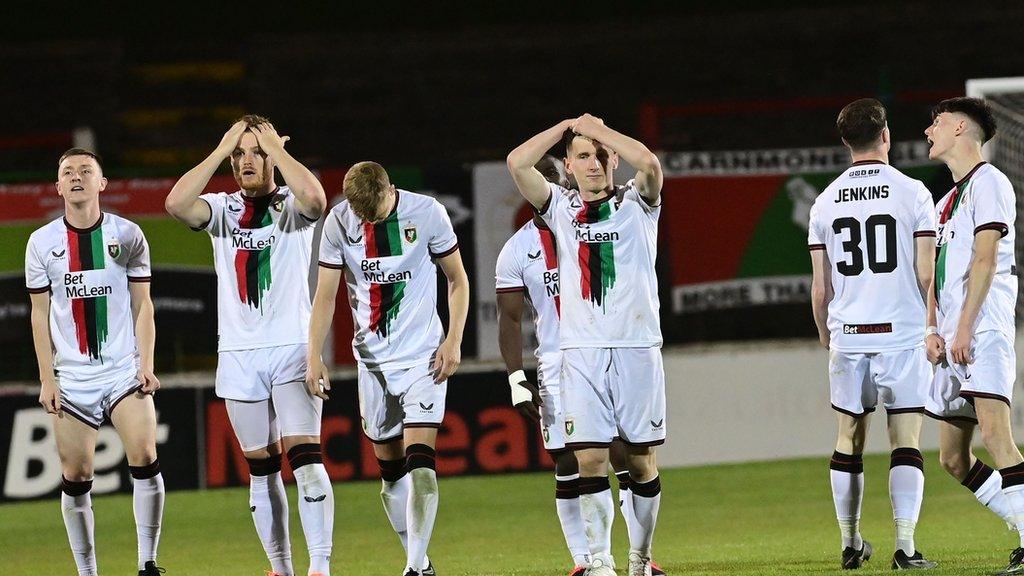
(262, 237)
(385, 242)
(88, 276)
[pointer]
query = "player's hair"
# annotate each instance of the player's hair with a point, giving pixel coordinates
(364, 187)
(80, 152)
(861, 123)
(252, 120)
(974, 108)
(548, 167)
(567, 137)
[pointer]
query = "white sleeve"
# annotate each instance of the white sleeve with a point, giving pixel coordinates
(442, 240)
(138, 256)
(302, 221)
(555, 199)
(331, 242)
(993, 202)
(508, 273)
(925, 213)
(216, 203)
(815, 236)
(633, 192)
(36, 279)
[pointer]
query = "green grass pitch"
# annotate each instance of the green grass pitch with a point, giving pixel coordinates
(764, 518)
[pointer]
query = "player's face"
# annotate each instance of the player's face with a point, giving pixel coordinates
(941, 135)
(250, 165)
(591, 164)
(79, 179)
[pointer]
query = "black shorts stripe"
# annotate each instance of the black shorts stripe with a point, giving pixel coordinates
(73, 412)
(910, 410)
(642, 444)
(935, 416)
(122, 397)
(854, 414)
(586, 445)
(968, 394)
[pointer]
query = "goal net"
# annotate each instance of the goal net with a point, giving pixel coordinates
(1005, 97)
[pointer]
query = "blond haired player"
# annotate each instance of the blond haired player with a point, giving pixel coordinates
(262, 237)
(385, 243)
(971, 314)
(612, 380)
(92, 324)
(871, 235)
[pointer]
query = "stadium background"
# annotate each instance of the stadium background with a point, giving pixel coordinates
(738, 97)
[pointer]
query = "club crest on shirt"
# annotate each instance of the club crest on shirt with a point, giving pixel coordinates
(570, 426)
(547, 435)
(410, 234)
(278, 206)
(114, 249)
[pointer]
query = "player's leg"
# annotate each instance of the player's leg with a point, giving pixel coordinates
(567, 474)
(617, 455)
(423, 403)
(994, 421)
(255, 426)
(134, 418)
(956, 457)
(298, 413)
(590, 427)
(76, 445)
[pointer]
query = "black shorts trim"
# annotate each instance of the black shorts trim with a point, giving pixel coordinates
(911, 410)
(420, 425)
(642, 444)
(586, 445)
(329, 265)
(557, 451)
(448, 252)
(114, 404)
(967, 394)
(935, 416)
(854, 414)
(384, 441)
(67, 408)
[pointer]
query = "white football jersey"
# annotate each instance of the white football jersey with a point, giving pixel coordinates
(261, 252)
(606, 252)
(982, 200)
(528, 263)
(86, 272)
(867, 221)
(391, 278)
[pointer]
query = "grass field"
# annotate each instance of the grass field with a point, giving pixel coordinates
(765, 518)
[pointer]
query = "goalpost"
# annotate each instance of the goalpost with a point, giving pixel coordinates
(1005, 97)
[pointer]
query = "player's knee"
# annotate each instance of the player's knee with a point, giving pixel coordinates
(642, 469)
(566, 465)
(592, 462)
(77, 471)
(271, 464)
(140, 455)
(301, 455)
(420, 456)
(75, 487)
(994, 435)
(144, 471)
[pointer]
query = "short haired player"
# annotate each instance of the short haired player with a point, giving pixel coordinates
(88, 277)
(971, 325)
(262, 237)
(385, 243)
(612, 379)
(871, 235)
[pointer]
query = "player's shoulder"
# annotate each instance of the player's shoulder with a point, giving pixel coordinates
(413, 202)
(47, 232)
(987, 176)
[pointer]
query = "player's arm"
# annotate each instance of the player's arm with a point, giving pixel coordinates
(521, 162)
(649, 178)
(309, 193)
(935, 345)
(449, 354)
(183, 202)
(49, 394)
(924, 264)
(145, 334)
(821, 293)
(525, 396)
(979, 280)
(327, 281)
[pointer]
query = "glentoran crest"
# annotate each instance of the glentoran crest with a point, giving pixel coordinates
(410, 234)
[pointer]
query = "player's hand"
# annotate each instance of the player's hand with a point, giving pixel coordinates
(231, 138)
(587, 125)
(825, 339)
(49, 396)
(528, 408)
(960, 351)
(318, 382)
(935, 347)
(446, 360)
(148, 380)
(269, 140)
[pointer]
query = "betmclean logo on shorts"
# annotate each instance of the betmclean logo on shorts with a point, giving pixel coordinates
(244, 240)
(372, 273)
(862, 193)
(87, 284)
(867, 328)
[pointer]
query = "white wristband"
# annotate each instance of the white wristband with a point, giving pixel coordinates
(520, 393)
(931, 330)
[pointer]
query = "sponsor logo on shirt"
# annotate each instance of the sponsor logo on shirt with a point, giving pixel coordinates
(372, 272)
(867, 328)
(85, 285)
(242, 239)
